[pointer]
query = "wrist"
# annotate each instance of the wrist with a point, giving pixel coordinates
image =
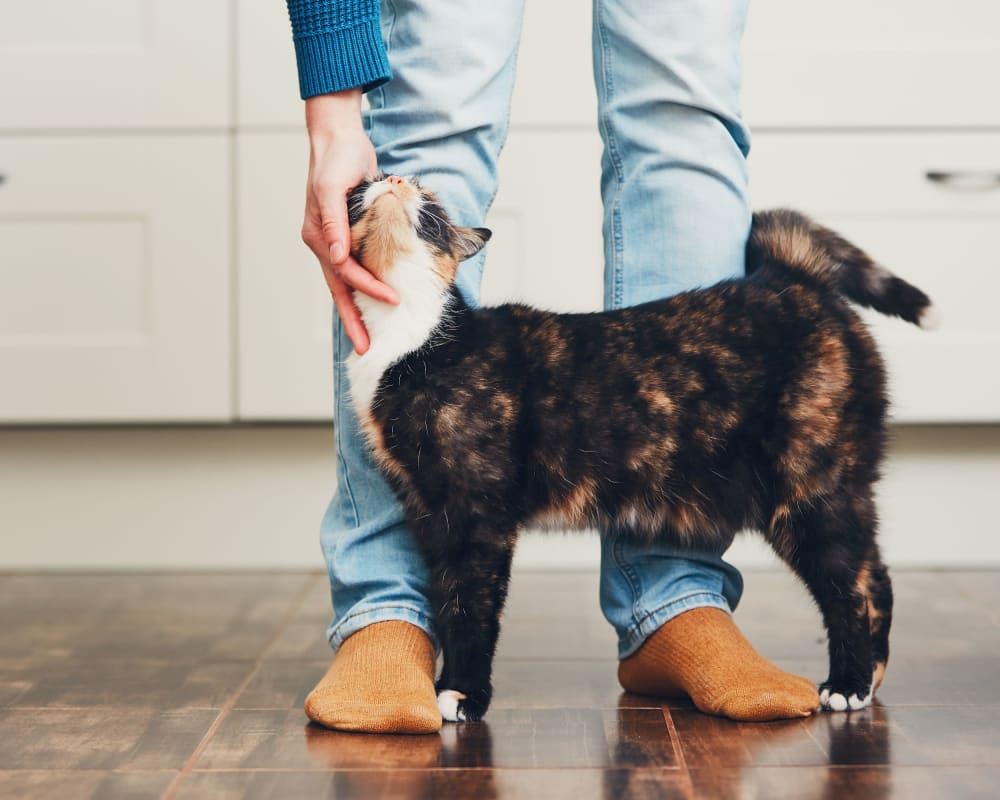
(338, 111)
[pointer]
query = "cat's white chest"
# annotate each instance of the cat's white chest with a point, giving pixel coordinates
(394, 331)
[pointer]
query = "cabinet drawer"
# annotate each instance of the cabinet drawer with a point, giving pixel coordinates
(285, 309)
(114, 63)
(856, 63)
(943, 237)
(114, 270)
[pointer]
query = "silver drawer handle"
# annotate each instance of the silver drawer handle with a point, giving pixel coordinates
(3, 179)
(965, 180)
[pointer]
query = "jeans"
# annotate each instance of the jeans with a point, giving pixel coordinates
(676, 216)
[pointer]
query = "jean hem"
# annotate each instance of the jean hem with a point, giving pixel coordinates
(354, 622)
(653, 620)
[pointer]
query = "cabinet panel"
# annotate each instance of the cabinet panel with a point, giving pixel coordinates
(945, 238)
(114, 279)
(893, 63)
(284, 359)
(114, 63)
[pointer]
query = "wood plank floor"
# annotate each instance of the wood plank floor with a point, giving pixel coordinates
(191, 685)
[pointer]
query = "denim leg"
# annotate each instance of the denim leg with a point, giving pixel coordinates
(676, 216)
(443, 117)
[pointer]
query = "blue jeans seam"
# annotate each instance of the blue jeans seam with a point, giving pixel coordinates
(642, 630)
(626, 569)
(370, 118)
(335, 638)
(338, 399)
(617, 242)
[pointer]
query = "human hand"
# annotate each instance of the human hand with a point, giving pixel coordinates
(340, 157)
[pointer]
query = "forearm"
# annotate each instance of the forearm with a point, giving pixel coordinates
(338, 45)
(328, 113)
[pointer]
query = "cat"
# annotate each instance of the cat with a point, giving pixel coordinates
(757, 403)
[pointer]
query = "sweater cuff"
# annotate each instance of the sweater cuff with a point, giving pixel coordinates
(342, 59)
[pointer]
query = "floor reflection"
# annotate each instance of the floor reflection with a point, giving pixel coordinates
(627, 752)
(360, 761)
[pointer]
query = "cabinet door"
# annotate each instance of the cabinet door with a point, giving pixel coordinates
(114, 279)
(114, 63)
(942, 236)
(285, 309)
(891, 63)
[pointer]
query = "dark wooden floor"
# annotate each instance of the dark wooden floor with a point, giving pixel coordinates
(192, 686)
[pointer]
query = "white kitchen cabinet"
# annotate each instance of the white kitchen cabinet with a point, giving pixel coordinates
(115, 270)
(103, 64)
(284, 355)
(114, 279)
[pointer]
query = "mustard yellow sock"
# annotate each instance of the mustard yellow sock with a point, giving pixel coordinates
(702, 654)
(381, 681)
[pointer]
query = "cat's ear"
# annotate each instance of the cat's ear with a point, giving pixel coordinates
(469, 241)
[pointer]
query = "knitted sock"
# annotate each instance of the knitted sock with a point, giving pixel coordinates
(702, 654)
(381, 681)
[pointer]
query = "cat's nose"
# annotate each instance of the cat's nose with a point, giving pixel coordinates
(395, 180)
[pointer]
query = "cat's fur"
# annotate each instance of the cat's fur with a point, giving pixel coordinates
(758, 403)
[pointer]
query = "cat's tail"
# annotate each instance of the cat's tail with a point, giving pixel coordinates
(789, 243)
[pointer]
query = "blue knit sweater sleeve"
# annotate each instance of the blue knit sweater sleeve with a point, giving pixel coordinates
(338, 45)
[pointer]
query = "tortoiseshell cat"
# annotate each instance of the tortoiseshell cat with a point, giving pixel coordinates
(758, 403)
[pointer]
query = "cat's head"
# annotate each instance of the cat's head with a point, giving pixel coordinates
(397, 225)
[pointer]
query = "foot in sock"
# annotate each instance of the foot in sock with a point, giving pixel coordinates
(381, 681)
(702, 654)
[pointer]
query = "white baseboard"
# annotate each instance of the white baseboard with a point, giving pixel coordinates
(252, 497)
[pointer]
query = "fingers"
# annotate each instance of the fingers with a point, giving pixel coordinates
(357, 277)
(336, 234)
(336, 230)
(354, 326)
(342, 296)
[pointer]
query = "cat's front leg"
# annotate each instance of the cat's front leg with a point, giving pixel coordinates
(468, 589)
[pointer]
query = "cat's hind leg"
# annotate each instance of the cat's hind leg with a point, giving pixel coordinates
(879, 617)
(827, 543)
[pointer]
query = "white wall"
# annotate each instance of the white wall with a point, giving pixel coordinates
(252, 497)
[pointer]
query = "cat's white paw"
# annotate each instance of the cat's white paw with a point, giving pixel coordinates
(835, 701)
(448, 705)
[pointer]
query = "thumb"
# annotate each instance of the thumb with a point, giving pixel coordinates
(336, 229)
